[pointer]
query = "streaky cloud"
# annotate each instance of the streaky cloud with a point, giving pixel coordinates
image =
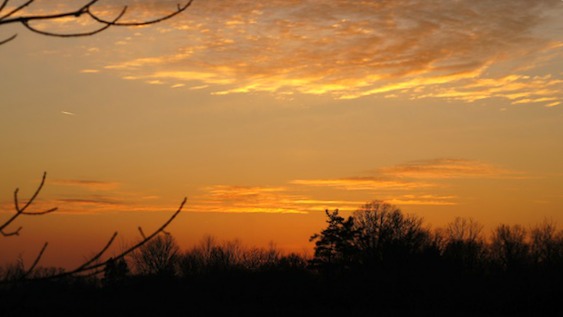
(443, 168)
(87, 184)
(464, 51)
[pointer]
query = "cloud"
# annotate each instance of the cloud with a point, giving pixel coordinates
(518, 89)
(108, 203)
(86, 184)
(455, 50)
(363, 183)
(442, 168)
(423, 200)
(262, 199)
(88, 202)
(408, 176)
(226, 198)
(417, 182)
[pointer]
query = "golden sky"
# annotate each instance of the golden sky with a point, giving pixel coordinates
(267, 113)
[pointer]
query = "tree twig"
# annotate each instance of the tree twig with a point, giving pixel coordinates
(85, 9)
(8, 39)
(21, 7)
(105, 27)
(37, 259)
(179, 10)
(89, 269)
(22, 210)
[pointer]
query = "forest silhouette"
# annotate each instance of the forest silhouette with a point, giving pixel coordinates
(378, 261)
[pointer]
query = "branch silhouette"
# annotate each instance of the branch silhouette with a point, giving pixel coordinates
(85, 10)
(22, 211)
(89, 267)
(95, 268)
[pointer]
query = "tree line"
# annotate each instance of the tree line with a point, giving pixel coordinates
(377, 259)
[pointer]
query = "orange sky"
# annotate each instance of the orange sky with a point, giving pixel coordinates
(265, 114)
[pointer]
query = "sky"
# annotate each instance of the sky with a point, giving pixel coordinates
(266, 113)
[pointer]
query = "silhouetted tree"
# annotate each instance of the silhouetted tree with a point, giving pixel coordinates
(509, 247)
(464, 229)
(15, 14)
(115, 272)
(260, 258)
(335, 246)
(227, 256)
(292, 262)
(547, 245)
(388, 235)
(464, 247)
(157, 257)
(13, 271)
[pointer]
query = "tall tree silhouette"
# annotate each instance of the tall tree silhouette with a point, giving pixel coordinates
(510, 248)
(335, 246)
(387, 235)
(464, 248)
(157, 257)
(546, 246)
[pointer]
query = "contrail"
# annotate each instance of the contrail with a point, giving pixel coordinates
(68, 113)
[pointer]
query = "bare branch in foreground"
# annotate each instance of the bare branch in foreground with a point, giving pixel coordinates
(22, 210)
(37, 259)
(90, 268)
(8, 39)
(86, 10)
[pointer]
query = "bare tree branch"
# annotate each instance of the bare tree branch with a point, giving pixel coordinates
(99, 254)
(142, 233)
(4, 3)
(21, 7)
(37, 259)
(108, 25)
(21, 211)
(75, 13)
(90, 269)
(134, 247)
(8, 39)
(179, 10)
(84, 10)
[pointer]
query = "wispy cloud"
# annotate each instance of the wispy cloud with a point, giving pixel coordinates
(363, 183)
(86, 184)
(417, 182)
(422, 182)
(455, 50)
(108, 202)
(262, 199)
(225, 198)
(409, 176)
(423, 200)
(94, 201)
(441, 168)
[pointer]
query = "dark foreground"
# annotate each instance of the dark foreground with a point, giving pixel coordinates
(296, 293)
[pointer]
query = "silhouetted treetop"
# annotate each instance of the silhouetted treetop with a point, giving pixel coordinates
(385, 231)
(337, 244)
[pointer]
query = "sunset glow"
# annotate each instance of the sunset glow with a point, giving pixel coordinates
(266, 113)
